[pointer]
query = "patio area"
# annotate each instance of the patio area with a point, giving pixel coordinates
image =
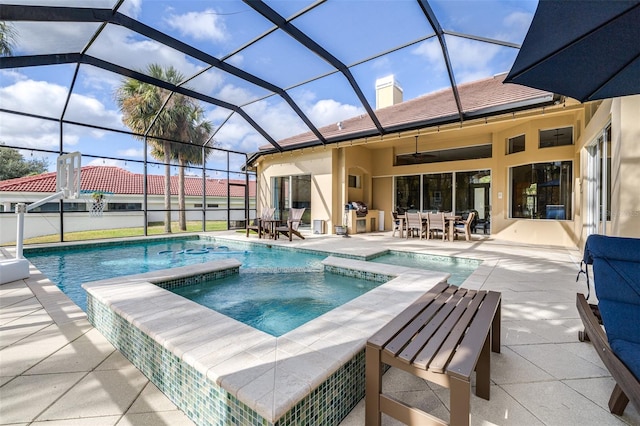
(56, 369)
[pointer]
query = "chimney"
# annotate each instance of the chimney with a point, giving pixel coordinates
(388, 92)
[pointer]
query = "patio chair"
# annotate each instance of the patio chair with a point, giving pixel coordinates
(435, 224)
(291, 228)
(396, 224)
(258, 225)
(414, 223)
(616, 268)
(464, 226)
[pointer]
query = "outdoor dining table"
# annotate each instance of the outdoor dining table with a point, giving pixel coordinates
(451, 221)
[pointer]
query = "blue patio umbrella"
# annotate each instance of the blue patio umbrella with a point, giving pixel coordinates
(585, 50)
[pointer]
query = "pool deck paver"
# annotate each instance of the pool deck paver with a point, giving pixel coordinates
(57, 370)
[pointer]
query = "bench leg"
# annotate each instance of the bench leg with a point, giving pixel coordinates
(483, 370)
(460, 402)
(495, 329)
(373, 386)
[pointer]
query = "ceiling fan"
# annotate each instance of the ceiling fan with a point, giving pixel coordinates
(418, 155)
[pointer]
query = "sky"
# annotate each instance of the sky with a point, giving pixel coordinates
(355, 32)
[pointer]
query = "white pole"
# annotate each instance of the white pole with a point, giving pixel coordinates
(21, 209)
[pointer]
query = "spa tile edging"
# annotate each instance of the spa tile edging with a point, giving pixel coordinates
(195, 368)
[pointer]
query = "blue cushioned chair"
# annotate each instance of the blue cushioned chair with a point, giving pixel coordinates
(616, 271)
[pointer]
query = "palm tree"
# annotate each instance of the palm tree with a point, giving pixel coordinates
(7, 39)
(180, 118)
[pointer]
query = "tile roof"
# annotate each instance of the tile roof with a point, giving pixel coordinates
(479, 98)
(121, 181)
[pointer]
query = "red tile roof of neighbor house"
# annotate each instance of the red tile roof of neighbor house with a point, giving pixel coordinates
(478, 98)
(120, 181)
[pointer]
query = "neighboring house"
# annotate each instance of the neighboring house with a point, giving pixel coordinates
(124, 199)
(537, 167)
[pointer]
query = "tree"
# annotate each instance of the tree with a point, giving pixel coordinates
(7, 39)
(13, 165)
(181, 119)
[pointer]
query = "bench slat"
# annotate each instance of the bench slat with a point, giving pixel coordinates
(441, 359)
(433, 346)
(412, 328)
(465, 358)
(389, 331)
(430, 329)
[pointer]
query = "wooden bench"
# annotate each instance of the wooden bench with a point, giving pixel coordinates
(442, 337)
(627, 385)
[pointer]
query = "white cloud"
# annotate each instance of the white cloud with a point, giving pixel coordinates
(329, 111)
(131, 8)
(105, 162)
(123, 47)
(205, 25)
(517, 23)
(131, 152)
(47, 99)
(471, 60)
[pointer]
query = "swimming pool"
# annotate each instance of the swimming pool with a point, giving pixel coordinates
(73, 266)
(217, 368)
(277, 303)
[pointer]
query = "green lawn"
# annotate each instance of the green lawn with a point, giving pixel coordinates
(195, 226)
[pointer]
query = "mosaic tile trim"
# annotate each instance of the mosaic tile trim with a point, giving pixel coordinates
(197, 279)
(276, 270)
(289, 249)
(206, 403)
(119, 243)
(367, 275)
(432, 257)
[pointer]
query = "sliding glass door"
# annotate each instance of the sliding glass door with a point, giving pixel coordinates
(292, 192)
(599, 184)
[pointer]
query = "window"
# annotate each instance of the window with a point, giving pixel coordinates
(436, 192)
(556, 137)
(542, 190)
(455, 154)
(209, 206)
(515, 144)
(124, 206)
(354, 181)
(407, 193)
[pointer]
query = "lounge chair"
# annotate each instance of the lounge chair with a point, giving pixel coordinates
(464, 226)
(258, 224)
(616, 270)
(291, 228)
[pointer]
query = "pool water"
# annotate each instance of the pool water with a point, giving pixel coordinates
(71, 267)
(277, 303)
(459, 268)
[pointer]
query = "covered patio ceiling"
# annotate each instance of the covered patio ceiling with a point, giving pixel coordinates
(263, 70)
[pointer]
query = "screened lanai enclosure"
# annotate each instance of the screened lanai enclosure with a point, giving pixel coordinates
(169, 102)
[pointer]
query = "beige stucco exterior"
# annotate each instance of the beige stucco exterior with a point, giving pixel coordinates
(372, 160)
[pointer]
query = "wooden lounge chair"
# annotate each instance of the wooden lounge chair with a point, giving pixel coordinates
(291, 228)
(258, 225)
(464, 226)
(616, 268)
